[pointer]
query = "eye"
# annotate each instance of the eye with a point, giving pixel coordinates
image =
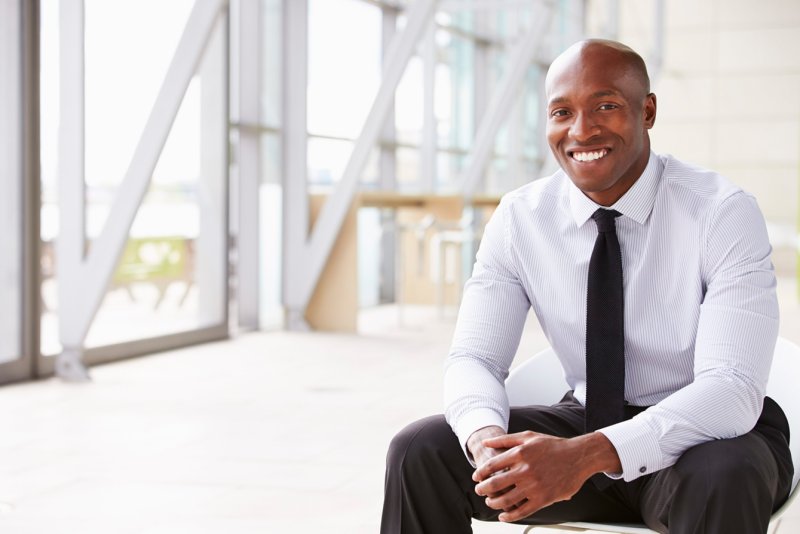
(607, 107)
(559, 113)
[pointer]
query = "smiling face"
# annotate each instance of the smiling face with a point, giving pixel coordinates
(599, 112)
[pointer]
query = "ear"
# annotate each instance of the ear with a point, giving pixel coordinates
(649, 110)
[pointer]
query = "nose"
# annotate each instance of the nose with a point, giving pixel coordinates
(583, 127)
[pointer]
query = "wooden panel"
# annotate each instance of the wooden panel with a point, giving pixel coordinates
(334, 305)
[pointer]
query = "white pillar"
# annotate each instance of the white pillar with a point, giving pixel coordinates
(295, 159)
(11, 201)
(428, 148)
(388, 173)
(211, 252)
(249, 164)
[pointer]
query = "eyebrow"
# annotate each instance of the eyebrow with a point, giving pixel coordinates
(607, 92)
(598, 94)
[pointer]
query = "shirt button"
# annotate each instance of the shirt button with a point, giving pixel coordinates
(642, 469)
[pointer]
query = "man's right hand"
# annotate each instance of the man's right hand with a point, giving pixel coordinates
(480, 453)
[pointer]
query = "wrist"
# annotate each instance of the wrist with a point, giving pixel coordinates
(599, 454)
(475, 439)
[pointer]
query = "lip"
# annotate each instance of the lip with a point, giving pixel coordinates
(571, 152)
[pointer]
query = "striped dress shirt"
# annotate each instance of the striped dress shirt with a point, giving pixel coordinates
(701, 314)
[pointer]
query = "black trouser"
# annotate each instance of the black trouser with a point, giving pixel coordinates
(720, 487)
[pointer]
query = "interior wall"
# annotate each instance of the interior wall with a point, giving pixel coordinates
(727, 95)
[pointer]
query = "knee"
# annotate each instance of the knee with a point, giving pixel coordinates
(722, 469)
(420, 442)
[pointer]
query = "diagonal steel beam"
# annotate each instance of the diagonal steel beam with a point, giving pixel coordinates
(84, 281)
(315, 253)
(503, 99)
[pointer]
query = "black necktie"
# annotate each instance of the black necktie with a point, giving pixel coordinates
(605, 339)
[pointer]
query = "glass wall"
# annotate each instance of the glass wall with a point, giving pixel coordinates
(172, 274)
(11, 172)
(344, 73)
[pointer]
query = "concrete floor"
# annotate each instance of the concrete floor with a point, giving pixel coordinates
(266, 433)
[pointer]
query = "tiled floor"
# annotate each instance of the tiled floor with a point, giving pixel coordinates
(267, 433)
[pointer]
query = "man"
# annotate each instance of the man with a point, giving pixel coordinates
(652, 281)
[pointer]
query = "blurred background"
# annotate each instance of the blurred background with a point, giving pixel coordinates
(279, 201)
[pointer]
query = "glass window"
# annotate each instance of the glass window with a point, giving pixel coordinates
(270, 233)
(271, 72)
(11, 204)
(408, 169)
(455, 87)
(172, 275)
(409, 103)
(344, 65)
(327, 159)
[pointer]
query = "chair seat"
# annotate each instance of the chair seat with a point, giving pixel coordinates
(619, 528)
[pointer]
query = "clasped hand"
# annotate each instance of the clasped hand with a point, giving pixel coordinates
(528, 471)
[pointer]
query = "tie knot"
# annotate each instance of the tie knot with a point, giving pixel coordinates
(605, 219)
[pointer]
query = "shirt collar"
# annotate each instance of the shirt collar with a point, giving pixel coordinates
(636, 203)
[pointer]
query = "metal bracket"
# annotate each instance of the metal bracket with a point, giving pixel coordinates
(70, 367)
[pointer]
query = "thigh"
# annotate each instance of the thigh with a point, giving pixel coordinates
(750, 473)
(564, 419)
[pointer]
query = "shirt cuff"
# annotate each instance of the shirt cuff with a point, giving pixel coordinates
(475, 420)
(637, 448)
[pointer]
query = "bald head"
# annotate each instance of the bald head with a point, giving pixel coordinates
(612, 55)
(599, 111)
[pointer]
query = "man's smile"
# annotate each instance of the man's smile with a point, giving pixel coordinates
(588, 155)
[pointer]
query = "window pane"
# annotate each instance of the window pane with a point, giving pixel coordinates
(10, 190)
(270, 233)
(408, 104)
(408, 165)
(327, 159)
(172, 274)
(455, 88)
(344, 65)
(271, 46)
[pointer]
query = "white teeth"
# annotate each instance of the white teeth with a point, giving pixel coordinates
(589, 156)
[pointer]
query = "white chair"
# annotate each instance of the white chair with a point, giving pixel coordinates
(540, 380)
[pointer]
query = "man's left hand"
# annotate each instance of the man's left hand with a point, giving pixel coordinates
(541, 470)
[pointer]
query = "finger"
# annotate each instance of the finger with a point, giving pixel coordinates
(489, 470)
(522, 511)
(492, 467)
(508, 440)
(501, 492)
(499, 483)
(507, 501)
(515, 506)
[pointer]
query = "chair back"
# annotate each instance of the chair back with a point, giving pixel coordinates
(538, 380)
(783, 387)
